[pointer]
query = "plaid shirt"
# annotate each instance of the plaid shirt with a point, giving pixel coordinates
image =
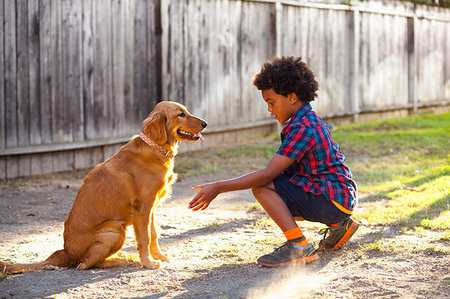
(320, 165)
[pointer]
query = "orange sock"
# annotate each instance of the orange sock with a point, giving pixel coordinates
(296, 233)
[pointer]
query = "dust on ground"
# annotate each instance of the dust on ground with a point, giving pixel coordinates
(212, 252)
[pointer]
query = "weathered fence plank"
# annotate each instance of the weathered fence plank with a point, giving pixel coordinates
(34, 73)
(2, 97)
(88, 73)
(103, 72)
(46, 74)
(10, 74)
(23, 79)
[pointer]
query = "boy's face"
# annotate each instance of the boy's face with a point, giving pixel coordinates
(280, 106)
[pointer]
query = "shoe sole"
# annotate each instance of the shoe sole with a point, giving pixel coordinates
(353, 228)
(305, 260)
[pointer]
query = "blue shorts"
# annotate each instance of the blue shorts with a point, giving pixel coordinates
(315, 208)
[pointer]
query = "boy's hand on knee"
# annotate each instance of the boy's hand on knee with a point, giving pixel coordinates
(205, 195)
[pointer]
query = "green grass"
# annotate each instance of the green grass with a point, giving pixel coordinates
(401, 167)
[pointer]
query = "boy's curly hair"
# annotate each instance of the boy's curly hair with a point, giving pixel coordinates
(286, 75)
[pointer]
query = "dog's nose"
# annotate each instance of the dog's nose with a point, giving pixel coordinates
(204, 124)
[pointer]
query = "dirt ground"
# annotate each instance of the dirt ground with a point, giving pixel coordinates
(212, 253)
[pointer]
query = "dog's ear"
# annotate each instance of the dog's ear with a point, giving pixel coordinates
(154, 127)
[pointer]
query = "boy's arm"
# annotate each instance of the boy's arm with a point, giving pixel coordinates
(255, 179)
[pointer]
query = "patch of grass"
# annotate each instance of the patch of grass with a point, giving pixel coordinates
(401, 166)
(264, 222)
(254, 207)
(214, 225)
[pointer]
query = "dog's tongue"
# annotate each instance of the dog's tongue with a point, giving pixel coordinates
(199, 135)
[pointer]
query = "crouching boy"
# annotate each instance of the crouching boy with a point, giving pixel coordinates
(307, 178)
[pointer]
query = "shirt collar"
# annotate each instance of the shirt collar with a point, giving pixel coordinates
(302, 111)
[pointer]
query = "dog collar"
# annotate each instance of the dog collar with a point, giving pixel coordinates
(150, 142)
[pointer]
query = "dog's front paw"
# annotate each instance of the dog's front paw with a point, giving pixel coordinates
(160, 256)
(151, 264)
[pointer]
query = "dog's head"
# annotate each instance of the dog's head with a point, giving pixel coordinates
(170, 122)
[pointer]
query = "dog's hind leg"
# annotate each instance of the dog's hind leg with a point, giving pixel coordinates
(117, 261)
(107, 241)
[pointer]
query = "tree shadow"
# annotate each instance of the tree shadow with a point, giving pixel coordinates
(430, 212)
(411, 186)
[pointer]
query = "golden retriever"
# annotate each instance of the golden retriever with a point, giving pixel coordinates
(124, 190)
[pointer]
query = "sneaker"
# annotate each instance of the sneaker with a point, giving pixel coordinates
(289, 253)
(338, 235)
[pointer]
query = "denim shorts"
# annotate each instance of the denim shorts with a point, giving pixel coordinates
(315, 208)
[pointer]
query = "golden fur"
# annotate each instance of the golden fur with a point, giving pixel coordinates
(124, 190)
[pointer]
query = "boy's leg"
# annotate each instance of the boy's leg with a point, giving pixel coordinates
(275, 206)
(296, 249)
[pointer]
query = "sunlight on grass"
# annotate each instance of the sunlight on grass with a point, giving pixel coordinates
(440, 222)
(417, 200)
(401, 167)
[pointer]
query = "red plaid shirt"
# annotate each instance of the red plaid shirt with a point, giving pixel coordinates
(320, 165)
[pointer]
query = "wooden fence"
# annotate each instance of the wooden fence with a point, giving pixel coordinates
(77, 77)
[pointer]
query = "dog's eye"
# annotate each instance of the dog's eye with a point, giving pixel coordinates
(182, 114)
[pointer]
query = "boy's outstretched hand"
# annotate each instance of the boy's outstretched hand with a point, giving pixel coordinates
(205, 195)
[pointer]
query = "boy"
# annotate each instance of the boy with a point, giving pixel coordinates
(306, 179)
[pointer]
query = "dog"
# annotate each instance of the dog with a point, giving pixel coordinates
(122, 191)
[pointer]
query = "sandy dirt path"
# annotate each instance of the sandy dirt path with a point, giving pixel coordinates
(212, 253)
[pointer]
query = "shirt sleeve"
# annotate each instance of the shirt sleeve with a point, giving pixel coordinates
(298, 141)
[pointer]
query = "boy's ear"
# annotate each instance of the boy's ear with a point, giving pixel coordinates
(293, 98)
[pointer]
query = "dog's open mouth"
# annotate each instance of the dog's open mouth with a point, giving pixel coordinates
(189, 135)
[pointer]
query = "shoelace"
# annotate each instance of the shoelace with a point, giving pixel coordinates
(282, 247)
(287, 244)
(326, 230)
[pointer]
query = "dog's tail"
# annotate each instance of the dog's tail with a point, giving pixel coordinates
(59, 259)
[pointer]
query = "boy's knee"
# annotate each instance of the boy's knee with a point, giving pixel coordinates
(257, 191)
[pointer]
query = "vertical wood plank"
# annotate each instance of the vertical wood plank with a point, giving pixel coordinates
(2, 91)
(87, 158)
(2, 167)
(130, 102)
(22, 78)
(88, 14)
(63, 161)
(34, 73)
(46, 72)
(12, 167)
(141, 60)
(41, 163)
(155, 56)
(103, 45)
(10, 74)
(56, 86)
(118, 65)
(72, 110)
